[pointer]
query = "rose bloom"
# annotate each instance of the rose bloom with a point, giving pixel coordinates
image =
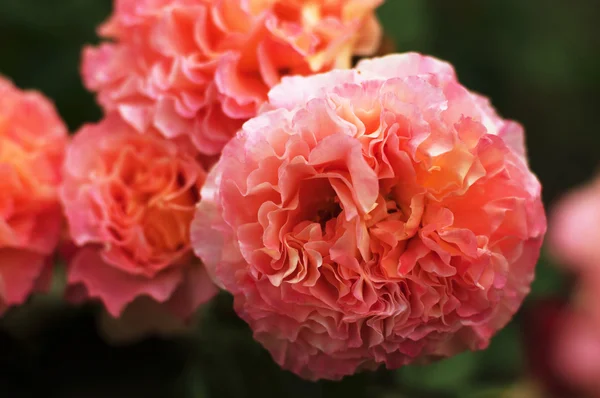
(574, 237)
(32, 144)
(383, 215)
(576, 354)
(575, 228)
(129, 199)
(203, 67)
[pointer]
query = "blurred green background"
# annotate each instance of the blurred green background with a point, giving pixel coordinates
(539, 60)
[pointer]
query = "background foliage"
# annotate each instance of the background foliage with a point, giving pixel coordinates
(537, 59)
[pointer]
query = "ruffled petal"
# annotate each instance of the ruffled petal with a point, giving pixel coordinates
(115, 288)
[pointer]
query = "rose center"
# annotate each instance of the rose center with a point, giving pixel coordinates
(166, 221)
(328, 211)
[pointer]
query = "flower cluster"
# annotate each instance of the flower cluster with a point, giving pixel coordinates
(381, 215)
(201, 68)
(378, 215)
(176, 80)
(32, 145)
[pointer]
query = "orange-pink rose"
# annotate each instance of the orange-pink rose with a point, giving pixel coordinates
(382, 215)
(32, 145)
(203, 67)
(129, 199)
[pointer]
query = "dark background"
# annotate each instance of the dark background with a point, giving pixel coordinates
(539, 60)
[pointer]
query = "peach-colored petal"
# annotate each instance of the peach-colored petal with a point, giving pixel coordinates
(114, 287)
(406, 65)
(196, 289)
(201, 229)
(19, 273)
(295, 91)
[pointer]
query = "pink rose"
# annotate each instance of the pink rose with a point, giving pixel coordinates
(577, 351)
(575, 229)
(203, 67)
(129, 199)
(574, 237)
(383, 215)
(32, 145)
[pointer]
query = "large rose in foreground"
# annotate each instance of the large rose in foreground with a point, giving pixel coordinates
(32, 145)
(129, 199)
(381, 215)
(203, 67)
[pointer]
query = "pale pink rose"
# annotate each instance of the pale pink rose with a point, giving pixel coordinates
(577, 352)
(203, 67)
(32, 144)
(383, 215)
(129, 199)
(574, 240)
(575, 228)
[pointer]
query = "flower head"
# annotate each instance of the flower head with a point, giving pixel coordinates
(203, 67)
(575, 232)
(381, 215)
(32, 144)
(574, 236)
(129, 199)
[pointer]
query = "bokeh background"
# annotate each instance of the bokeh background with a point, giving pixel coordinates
(539, 61)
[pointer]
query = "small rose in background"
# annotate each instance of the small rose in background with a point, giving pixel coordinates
(200, 68)
(575, 228)
(129, 199)
(575, 241)
(383, 215)
(32, 145)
